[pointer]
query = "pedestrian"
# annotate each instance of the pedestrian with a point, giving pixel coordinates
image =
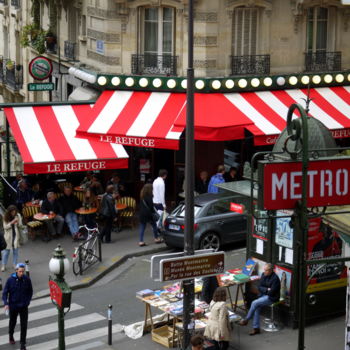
(269, 292)
(210, 284)
(52, 206)
(24, 194)
(147, 212)
(96, 186)
(197, 342)
(216, 179)
(69, 204)
(108, 213)
(159, 190)
(218, 329)
(16, 297)
(12, 223)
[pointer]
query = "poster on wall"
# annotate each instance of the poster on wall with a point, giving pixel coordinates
(284, 233)
(285, 277)
(324, 242)
(145, 166)
(260, 225)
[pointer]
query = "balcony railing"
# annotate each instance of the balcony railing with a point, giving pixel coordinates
(13, 76)
(154, 64)
(322, 61)
(2, 75)
(250, 64)
(69, 50)
(16, 3)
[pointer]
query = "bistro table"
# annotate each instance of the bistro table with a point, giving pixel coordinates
(85, 211)
(43, 217)
(33, 204)
(79, 188)
(120, 206)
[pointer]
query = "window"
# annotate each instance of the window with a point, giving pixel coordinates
(220, 207)
(317, 23)
(245, 26)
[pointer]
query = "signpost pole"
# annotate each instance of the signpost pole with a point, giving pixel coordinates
(188, 285)
(61, 341)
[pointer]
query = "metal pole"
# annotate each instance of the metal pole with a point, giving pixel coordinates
(61, 341)
(109, 316)
(188, 301)
(8, 160)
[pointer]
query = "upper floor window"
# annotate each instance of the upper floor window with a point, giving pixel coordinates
(317, 23)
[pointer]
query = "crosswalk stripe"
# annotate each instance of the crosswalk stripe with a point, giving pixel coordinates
(74, 339)
(39, 302)
(38, 315)
(93, 345)
(52, 327)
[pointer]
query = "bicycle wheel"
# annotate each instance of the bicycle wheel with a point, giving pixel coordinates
(78, 263)
(90, 256)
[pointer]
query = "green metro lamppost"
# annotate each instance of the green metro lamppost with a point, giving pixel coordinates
(60, 292)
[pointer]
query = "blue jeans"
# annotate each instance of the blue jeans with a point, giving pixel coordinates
(255, 308)
(72, 222)
(5, 256)
(143, 227)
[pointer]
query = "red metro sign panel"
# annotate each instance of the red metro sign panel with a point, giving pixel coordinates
(281, 183)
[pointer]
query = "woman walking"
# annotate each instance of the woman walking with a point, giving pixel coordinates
(147, 212)
(218, 329)
(12, 223)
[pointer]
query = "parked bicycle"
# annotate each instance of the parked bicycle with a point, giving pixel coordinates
(89, 251)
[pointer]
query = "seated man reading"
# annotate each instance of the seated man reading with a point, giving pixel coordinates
(269, 293)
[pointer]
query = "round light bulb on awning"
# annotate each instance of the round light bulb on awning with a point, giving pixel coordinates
(339, 78)
(255, 82)
(200, 84)
(348, 77)
(157, 83)
(143, 82)
(184, 84)
(242, 83)
(305, 79)
(293, 80)
(115, 81)
(216, 84)
(268, 81)
(328, 78)
(229, 84)
(102, 80)
(316, 79)
(171, 83)
(129, 81)
(280, 81)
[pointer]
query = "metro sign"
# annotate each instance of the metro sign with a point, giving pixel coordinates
(281, 183)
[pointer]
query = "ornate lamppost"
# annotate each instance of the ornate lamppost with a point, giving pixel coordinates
(60, 292)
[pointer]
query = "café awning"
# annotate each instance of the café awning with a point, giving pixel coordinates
(45, 136)
(157, 119)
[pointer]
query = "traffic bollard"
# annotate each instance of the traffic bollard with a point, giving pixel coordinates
(27, 268)
(109, 316)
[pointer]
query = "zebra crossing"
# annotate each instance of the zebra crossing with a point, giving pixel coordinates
(82, 329)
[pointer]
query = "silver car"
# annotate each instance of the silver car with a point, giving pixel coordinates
(215, 222)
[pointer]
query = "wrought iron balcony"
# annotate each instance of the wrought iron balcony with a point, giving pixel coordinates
(69, 50)
(2, 75)
(322, 61)
(14, 76)
(16, 3)
(154, 64)
(250, 64)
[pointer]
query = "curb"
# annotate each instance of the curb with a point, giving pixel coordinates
(104, 272)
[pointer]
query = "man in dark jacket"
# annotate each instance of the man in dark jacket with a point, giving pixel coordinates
(69, 204)
(269, 289)
(108, 213)
(16, 296)
(51, 206)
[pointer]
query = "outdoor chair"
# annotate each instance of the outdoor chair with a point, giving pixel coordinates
(34, 226)
(126, 216)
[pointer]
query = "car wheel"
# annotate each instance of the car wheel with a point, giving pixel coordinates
(210, 241)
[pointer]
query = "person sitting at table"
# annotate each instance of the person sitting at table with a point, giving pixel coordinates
(108, 213)
(69, 204)
(50, 206)
(95, 186)
(218, 329)
(90, 201)
(269, 292)
(119, 188)
(38, 194)
(24, 194)
(87, 180)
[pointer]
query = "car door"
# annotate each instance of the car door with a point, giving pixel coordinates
(232, 226)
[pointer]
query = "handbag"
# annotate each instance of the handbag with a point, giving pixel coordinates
(154, 214)
(23, 235)
(3, 244)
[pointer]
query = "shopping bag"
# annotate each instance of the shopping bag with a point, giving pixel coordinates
(23, 235)
(161, 222)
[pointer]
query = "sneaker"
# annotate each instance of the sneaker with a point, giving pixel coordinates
(3, 268)
(12, 341)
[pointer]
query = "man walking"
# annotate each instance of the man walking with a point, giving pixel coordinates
(269, 289)
(159, 190)
(216, 179)
(16, 296)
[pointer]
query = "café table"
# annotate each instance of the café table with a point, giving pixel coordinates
(43, 217)
(79, 188)
(120, 206)
(85, 211)
(33, 204)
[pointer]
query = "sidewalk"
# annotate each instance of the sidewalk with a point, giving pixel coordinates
(124, 245)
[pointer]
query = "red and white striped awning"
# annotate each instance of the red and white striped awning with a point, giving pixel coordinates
(45, 136)
(268, 110)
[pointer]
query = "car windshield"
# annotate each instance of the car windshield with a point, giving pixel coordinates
(180, 210)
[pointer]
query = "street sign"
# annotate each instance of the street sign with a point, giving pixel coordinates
(40, 68)
(156, 259)
(41, 86)
(55, 293)
(187, 267)
(281, 183)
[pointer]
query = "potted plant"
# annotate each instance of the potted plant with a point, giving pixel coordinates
(50, 37)
(35, 36)
(10, 65)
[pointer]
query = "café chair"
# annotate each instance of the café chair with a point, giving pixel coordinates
(33, 225)
(79, 195)
(126, 216)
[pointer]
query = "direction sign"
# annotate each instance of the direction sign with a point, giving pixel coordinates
(281, 183)
(41, 86)
(192, 266)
